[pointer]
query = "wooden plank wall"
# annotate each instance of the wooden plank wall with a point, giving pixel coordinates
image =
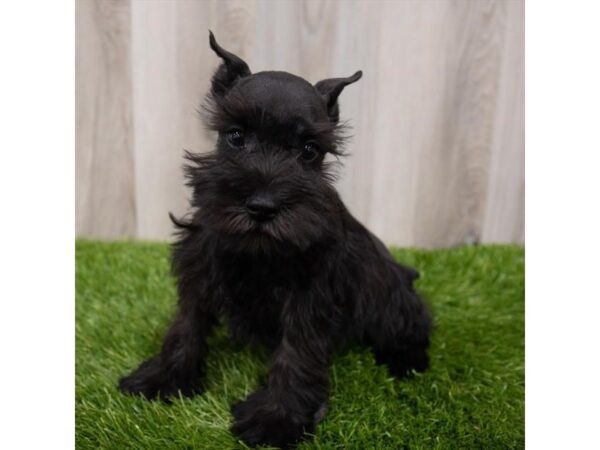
(437, 157)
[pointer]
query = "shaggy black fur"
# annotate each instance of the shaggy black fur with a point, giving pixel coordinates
(271, 249)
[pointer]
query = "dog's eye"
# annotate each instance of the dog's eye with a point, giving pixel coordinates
(310, 152)
(235, 138)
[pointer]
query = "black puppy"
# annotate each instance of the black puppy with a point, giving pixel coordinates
(271, 249)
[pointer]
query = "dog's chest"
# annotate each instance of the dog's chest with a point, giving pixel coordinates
(255, 293)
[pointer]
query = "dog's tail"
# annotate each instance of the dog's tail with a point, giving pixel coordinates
(182, 224)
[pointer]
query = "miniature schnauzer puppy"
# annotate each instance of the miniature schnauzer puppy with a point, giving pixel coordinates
(270, 249)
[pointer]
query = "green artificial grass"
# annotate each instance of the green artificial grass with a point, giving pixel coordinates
(471, 398)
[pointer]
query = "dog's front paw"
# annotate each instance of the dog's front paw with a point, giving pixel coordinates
(259, 422)
(151, 381)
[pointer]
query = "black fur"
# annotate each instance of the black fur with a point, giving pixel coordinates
(270, 248)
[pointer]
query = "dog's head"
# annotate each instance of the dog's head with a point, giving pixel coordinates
(267, 182)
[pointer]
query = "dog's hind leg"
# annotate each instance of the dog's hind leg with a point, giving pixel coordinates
(398, 332)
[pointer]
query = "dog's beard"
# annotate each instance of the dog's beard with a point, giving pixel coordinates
(297, 227)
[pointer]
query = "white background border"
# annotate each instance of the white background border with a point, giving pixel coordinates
(37, 225)
(562, 86)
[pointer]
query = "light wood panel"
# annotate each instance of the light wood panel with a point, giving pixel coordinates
(437, 154)
(504, 220)
(454, 163)
(105, 198)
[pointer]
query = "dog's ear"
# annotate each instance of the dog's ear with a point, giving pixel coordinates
(331, 88)
(232, 68)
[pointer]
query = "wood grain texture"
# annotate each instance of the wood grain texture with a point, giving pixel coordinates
(105, 197)
(453, 166)
(504, 219)
(438, 148)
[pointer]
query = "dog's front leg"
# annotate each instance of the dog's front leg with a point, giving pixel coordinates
(178, 366)
(295, 396)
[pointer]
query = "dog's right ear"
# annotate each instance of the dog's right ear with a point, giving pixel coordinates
(229, 72)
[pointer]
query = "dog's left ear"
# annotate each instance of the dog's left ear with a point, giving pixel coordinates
(230, 71)
(331, 88)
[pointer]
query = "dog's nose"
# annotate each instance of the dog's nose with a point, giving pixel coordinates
(262, 207)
